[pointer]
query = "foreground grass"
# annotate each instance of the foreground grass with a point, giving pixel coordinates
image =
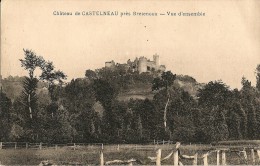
(90, 156)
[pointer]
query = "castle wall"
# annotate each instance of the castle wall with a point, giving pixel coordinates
(151, 66)
(142, 65)
(110, 64)
(156, 61)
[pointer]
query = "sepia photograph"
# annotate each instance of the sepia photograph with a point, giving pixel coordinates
(130, 82)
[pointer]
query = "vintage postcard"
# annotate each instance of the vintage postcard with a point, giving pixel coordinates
(130, 82)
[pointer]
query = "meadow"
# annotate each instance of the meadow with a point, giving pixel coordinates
(90, 155)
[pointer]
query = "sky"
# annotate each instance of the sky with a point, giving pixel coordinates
(224, 44)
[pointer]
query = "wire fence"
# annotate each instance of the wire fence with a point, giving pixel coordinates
(85, 146)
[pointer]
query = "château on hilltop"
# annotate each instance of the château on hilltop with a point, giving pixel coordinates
(141, 64)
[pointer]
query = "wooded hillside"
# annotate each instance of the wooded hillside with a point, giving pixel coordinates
(120, 106)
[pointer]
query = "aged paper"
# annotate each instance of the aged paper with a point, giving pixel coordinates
(197, 40)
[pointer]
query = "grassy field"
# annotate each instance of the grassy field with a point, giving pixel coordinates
(90, 155)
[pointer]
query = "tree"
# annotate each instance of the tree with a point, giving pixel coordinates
(198, 117)
(29, 96)
(5, 116)
(237, 119)
(52, 77)
(90, 74)
(59, 128)
(257, 106)
(78, 99)
(214, 95)
(179, 111)
(216, 126)
(214, 99)
(30, 62)
(184, 129)
(119, 111)
(258, 77)
(248, 97)
(252, 123)
(148, 117)
(164, 82)
(104, 92)
(234, 124)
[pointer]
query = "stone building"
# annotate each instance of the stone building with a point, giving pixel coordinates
(110, 64)
(141, 64)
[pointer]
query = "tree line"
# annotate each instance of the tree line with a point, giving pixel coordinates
(66, 112)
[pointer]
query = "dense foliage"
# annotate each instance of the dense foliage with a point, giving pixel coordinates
(89, 109)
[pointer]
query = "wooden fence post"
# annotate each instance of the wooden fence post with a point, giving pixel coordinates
(102, 146)
(258, 153)
(176, 154)
(40, 146)
(245, 155)
(101, 158)
(205, 159)
(158, 157)
(253, 156)
(1, 145)
(176, 158)
(195, 161)
(217, 157)
(223, 157)
(56, 147)
(74, 146)
(117, 147)
(15, 145)
(26, 145)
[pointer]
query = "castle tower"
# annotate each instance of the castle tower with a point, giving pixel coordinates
(142, 65)
(156, 60)
(110, 64)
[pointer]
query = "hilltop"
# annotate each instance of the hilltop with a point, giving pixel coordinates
(140, 86)
(132, 79)
(13, 86)
(141, 90)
